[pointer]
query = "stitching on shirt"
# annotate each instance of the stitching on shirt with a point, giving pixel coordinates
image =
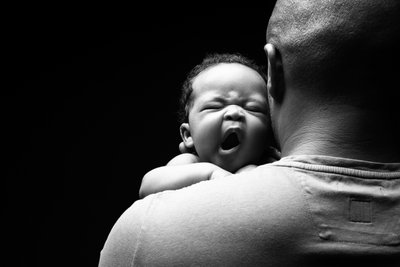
(304, 192)
(329, 170)
(151, 204)
(313, 219)
(340, 170)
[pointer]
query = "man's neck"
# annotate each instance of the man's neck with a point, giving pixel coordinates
(342, 132)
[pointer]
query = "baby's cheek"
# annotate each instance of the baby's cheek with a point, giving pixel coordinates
(206, 147)
(259, 143)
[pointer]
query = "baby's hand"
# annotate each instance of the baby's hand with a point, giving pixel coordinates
(246, 168)
(219, 173)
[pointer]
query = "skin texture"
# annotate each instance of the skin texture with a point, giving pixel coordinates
(322, 44)
(332, 82)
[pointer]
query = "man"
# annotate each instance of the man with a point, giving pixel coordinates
(334, 197)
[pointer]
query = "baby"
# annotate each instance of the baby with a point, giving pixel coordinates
(225, 125)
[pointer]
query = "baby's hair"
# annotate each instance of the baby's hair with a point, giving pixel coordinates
(210, 60)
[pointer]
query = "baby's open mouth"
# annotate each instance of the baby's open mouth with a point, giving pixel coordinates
(230, 141)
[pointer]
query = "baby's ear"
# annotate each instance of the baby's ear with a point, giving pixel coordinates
(186, 136)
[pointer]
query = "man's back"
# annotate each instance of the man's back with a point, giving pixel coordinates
(299, 211)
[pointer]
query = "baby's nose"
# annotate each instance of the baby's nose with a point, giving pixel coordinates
(233, 112)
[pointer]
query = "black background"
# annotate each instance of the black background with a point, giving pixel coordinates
(88, 106)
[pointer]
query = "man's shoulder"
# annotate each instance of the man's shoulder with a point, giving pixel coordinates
(262, 184)
(247, 210)
(241, 210)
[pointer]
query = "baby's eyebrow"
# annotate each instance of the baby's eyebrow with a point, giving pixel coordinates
(218, 99)
(223, 99)
(257, 99)
(214, 98)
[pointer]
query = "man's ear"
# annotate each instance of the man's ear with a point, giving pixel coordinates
(186, 136)
(275, 85)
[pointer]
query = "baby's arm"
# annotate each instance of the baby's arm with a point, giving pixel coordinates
(181, 171)
(184, 158)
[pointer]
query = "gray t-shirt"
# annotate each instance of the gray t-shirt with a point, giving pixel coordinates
(298, 211)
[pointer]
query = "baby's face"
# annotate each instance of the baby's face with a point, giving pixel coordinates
(229, 120)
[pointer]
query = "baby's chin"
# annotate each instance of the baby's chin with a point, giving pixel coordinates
(231, 162)
(231, 166)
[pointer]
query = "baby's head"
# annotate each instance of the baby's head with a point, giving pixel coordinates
(224, 111)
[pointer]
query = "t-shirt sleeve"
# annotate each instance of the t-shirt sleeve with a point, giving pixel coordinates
(124, 238)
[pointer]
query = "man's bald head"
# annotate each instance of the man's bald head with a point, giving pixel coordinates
(337, 47)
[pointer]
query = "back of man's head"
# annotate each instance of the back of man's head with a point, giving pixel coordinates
(346, 50)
